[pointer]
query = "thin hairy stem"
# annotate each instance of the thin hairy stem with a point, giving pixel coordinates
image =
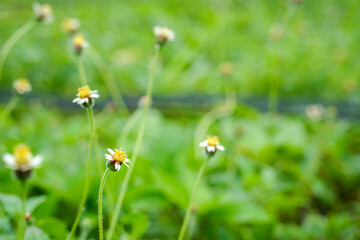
(192, 197)
(87, 181)
(209, 118)
(22, 223)
(81, 70)
(8, 109)
(101, 189)
(136, 147)
(12, 40)
(108, 79)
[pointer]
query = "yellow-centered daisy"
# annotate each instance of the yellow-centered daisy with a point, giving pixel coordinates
(79, 43)
(163, 35)
(211, 144)
(22, 159)
(70, 25)
(116, 158)
(86, 97)
(22, 86)
(43, 12)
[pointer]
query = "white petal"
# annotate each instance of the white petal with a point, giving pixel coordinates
(95, 95)
(204, 143)
(82, 100)
(211, 149)
(117, 166)
(220, 147)
(127, 160)
(76, 100)
(36, 161)
(94, 91)
(9, 160)
(86, 100)
(109, 157)
(125, 164)
(111, 151)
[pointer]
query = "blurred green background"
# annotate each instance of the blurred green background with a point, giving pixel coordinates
(283, 177)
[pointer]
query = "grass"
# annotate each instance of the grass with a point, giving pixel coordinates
(282, 177)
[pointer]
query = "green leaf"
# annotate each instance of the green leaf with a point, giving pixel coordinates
(55, 228)
(10, 203)
(33, 202)
(138, 222)
(34, 233)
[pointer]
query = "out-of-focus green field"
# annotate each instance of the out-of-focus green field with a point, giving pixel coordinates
(283, 177)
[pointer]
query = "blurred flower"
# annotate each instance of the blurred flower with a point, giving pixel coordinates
(22, 86)
(28, 217)
(163, 35)
(22, 161)
(43, 12)
(315, 112)
(211, 144)
(349, 84)
(70, 25)
(79, 43)
(143, 100)
(276, 32)
(116, 159)
(226, 68)
(85, 97)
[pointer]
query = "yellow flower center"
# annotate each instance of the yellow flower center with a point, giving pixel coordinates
(78, 40)
(119, 156)
(84, 92)
(22, 154)
(22, 85)
(46, 9)
(213, 141)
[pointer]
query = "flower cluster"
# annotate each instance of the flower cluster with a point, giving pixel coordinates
(43, 12)
(211, 144)
(116, 158)
(22, 86)
(86, 97)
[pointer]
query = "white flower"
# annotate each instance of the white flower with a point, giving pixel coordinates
(22, 159)
(43, 12)
(211, 144)
(79, 43)
(116, 158)
(70, 25)
(85, 97)
(163, 35)
(315, 112)
(22, 86)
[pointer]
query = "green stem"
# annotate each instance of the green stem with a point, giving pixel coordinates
(87, 181)
(101, 189)
(128, 126)
(213, 115)
(81, 70)
(108, 78)
(22, 223)
(192, 197)
(8, 109)
(12, 40)
(136, 147)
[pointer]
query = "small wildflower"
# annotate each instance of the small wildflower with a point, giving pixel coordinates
(43, 12)
(79, 43)
(226, 68)
(22, 161)
(163, 35)
(70, 25)
(143, 100)
(211, 144)
(22, 86)
(116, 158)
(86, 97)
(276, 32)
(315, 112)
(28, 217)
